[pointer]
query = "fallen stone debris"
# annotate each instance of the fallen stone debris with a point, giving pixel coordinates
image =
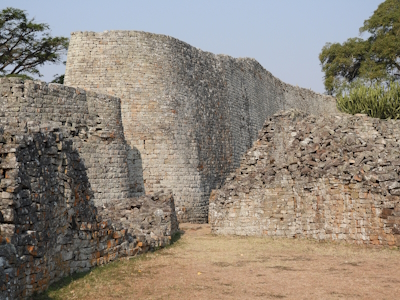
(333, 177)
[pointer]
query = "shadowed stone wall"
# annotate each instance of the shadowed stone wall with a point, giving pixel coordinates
(65, 187)
(327, 178)
(188, 115)
(50, 226)
(91, 120)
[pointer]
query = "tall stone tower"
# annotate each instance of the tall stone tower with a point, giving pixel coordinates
(188, 115)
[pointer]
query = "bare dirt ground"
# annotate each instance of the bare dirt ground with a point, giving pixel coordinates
(203, 266)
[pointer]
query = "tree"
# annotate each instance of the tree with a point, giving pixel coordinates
(58, 79)
(374, 60)
(26, 45)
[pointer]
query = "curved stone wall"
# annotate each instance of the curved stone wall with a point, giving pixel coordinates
(188, 115)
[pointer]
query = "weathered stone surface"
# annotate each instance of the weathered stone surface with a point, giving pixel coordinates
(188, 115)
(50, 226)
(66, 200)
(91, 121)
(327, 178)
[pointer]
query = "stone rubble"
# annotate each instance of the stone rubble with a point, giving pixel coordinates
(322, 177)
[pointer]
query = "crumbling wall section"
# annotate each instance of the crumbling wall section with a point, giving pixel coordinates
(188, 115)
(326, 178)
(254, 94)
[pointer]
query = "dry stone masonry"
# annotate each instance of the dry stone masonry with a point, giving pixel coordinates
(188, 115)
(327, 178)
(92, 121)
(82, 175)
(56, 143)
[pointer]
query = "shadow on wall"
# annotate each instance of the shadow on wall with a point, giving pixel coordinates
(135, 169)
(49, 223)
(47, 217)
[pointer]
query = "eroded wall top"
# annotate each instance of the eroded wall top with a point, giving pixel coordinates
(322, 177)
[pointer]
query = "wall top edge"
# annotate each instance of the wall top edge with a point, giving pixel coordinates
(42, 85)
(131, 33)
(161, 37)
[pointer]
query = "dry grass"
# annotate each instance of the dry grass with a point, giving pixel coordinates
(204, 266)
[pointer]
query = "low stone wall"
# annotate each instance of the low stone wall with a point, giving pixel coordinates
(50, 226)
(327, 178)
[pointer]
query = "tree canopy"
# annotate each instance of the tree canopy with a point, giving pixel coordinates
(26, 45)
(372, 60)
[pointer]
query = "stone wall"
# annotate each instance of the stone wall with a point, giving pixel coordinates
(188, 115)
(50, 226)
(65, 187)
(92, 121)
(327, 178)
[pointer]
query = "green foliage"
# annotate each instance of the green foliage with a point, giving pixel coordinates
(58, 79)
(22, 76)
(377, 101)
(26, 45)
(374, 60)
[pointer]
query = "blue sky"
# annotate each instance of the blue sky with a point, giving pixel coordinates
(285, 36)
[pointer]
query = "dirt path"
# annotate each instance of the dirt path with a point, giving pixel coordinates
(203, 266)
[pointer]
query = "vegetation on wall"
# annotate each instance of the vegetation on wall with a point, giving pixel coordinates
(26, 45)
(377, 101)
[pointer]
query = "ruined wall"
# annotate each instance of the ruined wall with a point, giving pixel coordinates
(326, 178)
(92, 121)
(65, 187)
(188, 115)
(253, 94)
(50, 226)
